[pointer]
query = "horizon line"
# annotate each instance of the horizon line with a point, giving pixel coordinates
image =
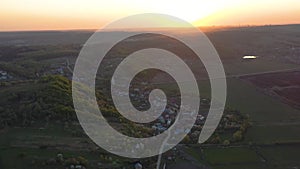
(124, 29)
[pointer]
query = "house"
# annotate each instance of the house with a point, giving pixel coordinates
(200, 117)
(162, 119)
(138, 165)
(169, 121)
(4, 75)
(159, 127)
(79, 167)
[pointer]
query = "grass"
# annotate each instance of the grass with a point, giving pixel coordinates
(237, 67)
(221, 156)
(262, 109)
(282, 156)
(11, 155)
(10, 134)
(272, 119)
(276, 156)
(273, 134)
(227, 158)
(53, 134)
(196, 153)
(242, 166)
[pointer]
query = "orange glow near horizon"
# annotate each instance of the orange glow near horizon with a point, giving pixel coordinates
(264, 13)
(93, 14)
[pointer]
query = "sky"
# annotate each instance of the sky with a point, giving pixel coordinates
(93, 14)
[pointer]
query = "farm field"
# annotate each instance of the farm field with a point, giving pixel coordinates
(221, 156)
(282, 156)
(268, 114)
(252, 157)
(262, 108)
(34, 146)
(284, 86)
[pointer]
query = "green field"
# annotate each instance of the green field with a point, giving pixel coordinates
(31, 154)
(272, 122)
(262, 64)
(271, 119)
(282, 156)
(273, 134)
(263, 109)
(266, 157)
(227, 158)
(223, 156)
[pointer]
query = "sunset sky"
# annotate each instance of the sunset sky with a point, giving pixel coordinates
(93, 14)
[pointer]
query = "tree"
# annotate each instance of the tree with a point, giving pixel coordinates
(237, 136)
(216, 140)
(83, 161)
(226, 142)
(186, 140)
